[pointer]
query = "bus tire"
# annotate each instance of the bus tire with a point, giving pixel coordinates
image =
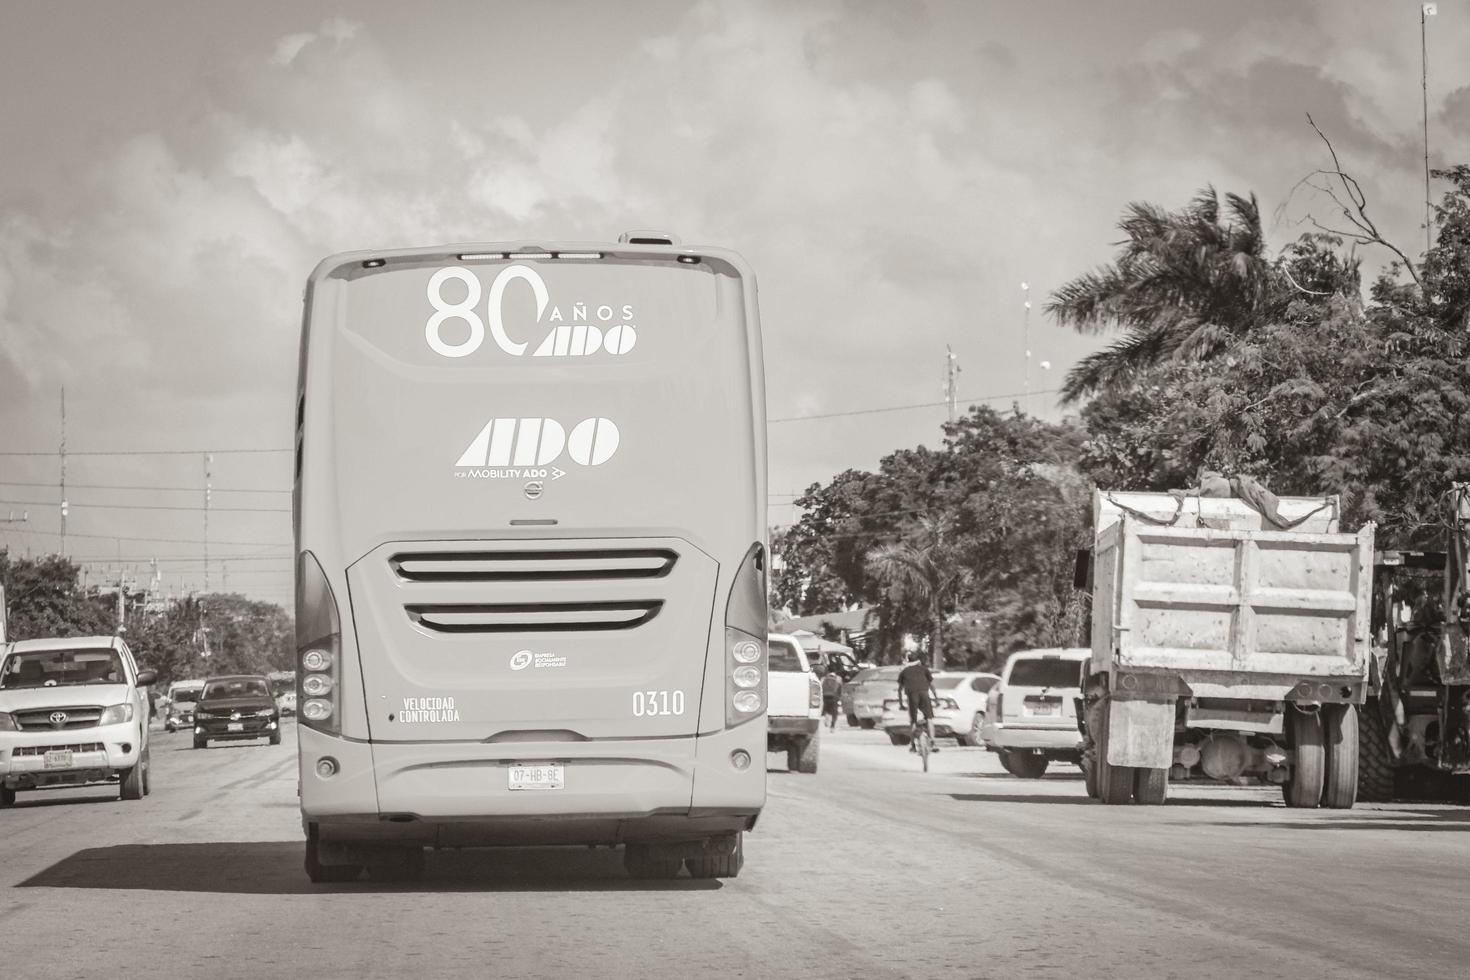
(802, 757)
(1303, 788)
(720, 865)
(396, 864)
(325, 874)
(650, 861)
(1340, 734)
(1375, 759)
(1150, 786)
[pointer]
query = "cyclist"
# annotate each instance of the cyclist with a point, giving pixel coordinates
(916, 685)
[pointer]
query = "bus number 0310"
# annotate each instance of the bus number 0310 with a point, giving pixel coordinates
(648, 704)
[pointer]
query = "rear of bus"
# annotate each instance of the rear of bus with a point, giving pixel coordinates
(531, 585)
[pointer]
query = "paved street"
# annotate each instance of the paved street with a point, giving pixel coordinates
(867, 869)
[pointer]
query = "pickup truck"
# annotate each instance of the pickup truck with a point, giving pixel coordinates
(72, 712)
(795, 713)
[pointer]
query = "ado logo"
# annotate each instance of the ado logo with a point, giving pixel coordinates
(540, 442)
(591, 329)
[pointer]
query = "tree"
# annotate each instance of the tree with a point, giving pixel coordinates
(1185, 285)
(927, 570)
(44, 599)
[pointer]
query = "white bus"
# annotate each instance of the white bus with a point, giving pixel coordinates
(529, 513)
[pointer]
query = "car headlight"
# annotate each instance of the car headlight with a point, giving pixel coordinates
(116, 714)
(265, 712)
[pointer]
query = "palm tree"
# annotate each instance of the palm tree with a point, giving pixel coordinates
(925, 569)
(1184, 285)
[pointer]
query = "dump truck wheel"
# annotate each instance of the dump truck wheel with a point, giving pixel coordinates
(1150, 786)
(1114, 783)
(1375, 760)
(1308, 771)
(1340, 735)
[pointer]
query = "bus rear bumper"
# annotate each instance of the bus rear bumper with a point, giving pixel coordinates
(456, 794)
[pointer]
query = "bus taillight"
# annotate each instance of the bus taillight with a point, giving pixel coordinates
(318, 647)
(745, 642)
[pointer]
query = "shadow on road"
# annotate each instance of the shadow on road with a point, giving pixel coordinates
(1041, 798)
(1413, 821)
(1075, 776)
(275, 868)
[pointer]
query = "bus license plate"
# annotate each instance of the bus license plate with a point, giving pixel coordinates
(58, 759)
(537, 777)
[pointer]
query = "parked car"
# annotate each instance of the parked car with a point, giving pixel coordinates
(182, 696)
(73, 712)
(959, 714)
(795, 697)
(863, 696)
(1031, 715)
(237, 706)
(286, 702)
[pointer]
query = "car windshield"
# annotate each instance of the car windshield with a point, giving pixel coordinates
(243, 687)
(59, 668)
(1046, 672)
(946, 683)
(185, 694)
(783, 656)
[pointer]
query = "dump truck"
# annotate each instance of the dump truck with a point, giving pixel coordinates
(1225, 647)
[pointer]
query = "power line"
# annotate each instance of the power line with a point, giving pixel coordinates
(134, 486)
(77, 503)
(119, 537)
(905, 408)
(142, 452)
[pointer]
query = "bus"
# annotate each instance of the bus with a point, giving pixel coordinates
(529, 516)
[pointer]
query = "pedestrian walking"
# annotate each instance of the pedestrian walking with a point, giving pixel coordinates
(831, 694)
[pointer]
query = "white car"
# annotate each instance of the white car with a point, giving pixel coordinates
(795, 698)
(959, 714)
(1031, 718)
(72, 712)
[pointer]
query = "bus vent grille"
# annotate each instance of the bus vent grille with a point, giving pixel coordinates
(532, 566)
(533, 617)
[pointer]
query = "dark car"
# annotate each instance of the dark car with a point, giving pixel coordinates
(235, 707)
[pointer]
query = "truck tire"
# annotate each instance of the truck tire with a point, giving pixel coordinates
(802, 757)
(972, 738)
(719, 866)
(649, 861)
(130, 784)
(1114, 783)
(1023, 765)
(1340, 733)
(1308, 772)
(1150, 786)
(1375, 759)
(898, 738)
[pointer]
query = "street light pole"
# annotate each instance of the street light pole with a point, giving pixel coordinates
(1426, 11)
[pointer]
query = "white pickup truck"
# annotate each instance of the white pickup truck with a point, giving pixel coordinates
(795, 712)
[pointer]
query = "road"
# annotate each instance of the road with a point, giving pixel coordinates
(869, 868)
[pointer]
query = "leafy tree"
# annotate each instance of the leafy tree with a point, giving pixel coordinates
(44, 599)
(926, 569)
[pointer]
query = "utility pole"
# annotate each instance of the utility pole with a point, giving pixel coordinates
(951, 377)
(1426, 11)
(208, 458)
(1026, 342)
(63, 471)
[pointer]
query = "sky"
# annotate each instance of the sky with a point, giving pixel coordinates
(893, 171)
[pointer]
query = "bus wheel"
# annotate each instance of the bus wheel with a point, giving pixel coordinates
(321, 874)
(720, 866)
(397, 864)
(648, 861)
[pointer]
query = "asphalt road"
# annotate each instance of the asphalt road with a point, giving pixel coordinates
(869, 868)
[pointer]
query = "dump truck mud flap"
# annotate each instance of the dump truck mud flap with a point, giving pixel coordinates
(1141, 733)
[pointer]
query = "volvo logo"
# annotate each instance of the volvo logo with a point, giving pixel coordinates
(533, 489)
(58, 718)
